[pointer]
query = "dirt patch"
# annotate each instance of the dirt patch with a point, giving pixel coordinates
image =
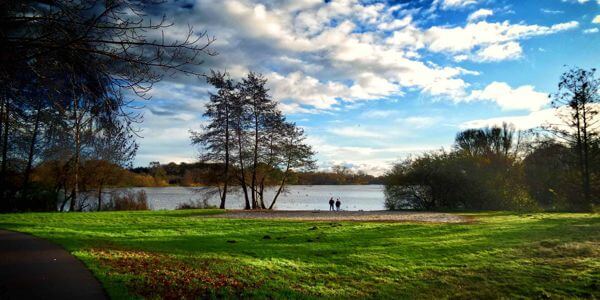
(362, 216)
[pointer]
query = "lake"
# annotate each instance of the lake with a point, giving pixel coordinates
(297, 197)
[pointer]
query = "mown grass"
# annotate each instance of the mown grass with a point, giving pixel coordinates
(179, 254)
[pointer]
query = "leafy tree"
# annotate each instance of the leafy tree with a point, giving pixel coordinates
(548, 174)
(577, 103)
(216, 138)
(295, 154)
(481, 173)
(251, 139)
(486, 141)
(64, 68)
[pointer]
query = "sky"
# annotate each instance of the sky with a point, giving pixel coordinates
(373, 82)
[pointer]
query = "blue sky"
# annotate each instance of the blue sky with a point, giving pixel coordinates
(374, 81)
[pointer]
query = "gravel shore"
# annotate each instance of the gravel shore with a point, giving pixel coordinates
(316, 215)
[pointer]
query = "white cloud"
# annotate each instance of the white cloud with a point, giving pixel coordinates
(396, 23)
(378, 114)
(498, 52)
(480, 14)
(460, 39)
(492, 41)
(596, 19)
(355, 132)
(305, 90)
(330, 56)
(544, 117)
(551, 12)
(524, 122)
(578, 1)
(454, 4)
(417, 122)
(591, 30)
(523, 97)
(373, 160)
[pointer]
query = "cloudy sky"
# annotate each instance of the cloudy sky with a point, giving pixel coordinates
(374, 81)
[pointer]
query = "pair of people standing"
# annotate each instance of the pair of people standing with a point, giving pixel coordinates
(337, 203)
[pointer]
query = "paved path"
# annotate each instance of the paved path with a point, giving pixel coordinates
(320, 215)
(33, 268)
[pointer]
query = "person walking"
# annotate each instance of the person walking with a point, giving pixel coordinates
(331, 202)
(338, 203)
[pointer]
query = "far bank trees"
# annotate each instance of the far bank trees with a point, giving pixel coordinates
(251, 139)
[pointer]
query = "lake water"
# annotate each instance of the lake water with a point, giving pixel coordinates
(297, 197)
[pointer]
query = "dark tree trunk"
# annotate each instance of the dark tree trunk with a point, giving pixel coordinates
(75, 192)
(242, 175)
(226, 171)
(261, 194)
(586, 161)
(255, 163)
(100, 196)
(6, 123)
(32, 148)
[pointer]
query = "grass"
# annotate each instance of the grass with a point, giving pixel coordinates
(181, 254)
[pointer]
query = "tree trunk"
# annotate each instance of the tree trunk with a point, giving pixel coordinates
(226, 171)
(75, 193)
(255, 161)
(261, 195)
(586, 161)
(6, 123)
(100, 196)
(242, 175)
(64, 203)
(287, 169)
(32, 148)
(579, 148)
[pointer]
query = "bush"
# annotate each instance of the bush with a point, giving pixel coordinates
(128, 200)
(398, 197)
(198, 204)
(457, 181)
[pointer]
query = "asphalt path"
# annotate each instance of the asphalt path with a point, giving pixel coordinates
(33, 268)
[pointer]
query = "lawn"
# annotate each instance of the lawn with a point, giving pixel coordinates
(175, 254)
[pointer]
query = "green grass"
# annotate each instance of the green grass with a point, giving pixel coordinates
(182, 254)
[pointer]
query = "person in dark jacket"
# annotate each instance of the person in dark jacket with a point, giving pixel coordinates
(338, 203)
(331, 202)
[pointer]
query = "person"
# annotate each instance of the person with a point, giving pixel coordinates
(331, 204)
(338, 203)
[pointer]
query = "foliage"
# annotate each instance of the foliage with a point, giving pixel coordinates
(64, 73)
(537, 255)
(577, 104)
(128, 200)
(251, 139)
(481, 173)
(198, 204)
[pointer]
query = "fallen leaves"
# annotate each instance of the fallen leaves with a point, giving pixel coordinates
(153, 275)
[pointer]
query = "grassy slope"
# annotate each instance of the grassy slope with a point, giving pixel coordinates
(180, 253)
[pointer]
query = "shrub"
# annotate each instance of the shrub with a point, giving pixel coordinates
(128, 200)
(198, 204)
